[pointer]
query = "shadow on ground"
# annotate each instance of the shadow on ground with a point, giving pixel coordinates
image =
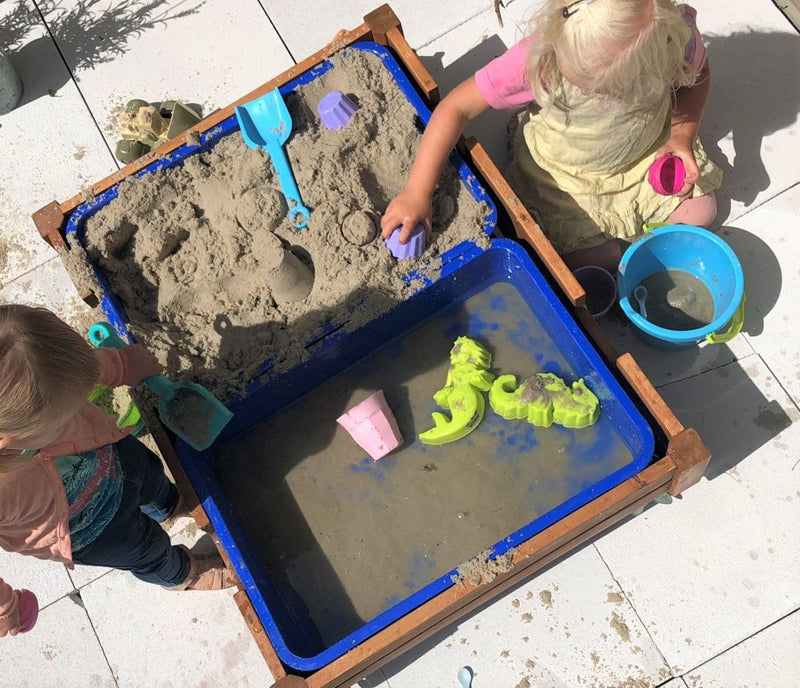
(490, 128)
(762, 275)
(755, 92)
(50, 43)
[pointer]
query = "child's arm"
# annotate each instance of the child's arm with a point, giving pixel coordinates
(687, 111)
(128, 366)
(689, 105)
(413, 204)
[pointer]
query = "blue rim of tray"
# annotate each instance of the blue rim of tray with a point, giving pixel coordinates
(111, 305)
(255, 579)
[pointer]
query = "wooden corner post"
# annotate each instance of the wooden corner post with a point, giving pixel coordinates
(381, 21)
(49, 221)
(691, 456)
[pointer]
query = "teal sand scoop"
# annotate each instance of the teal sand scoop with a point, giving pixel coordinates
(186, 408)
(266, 123)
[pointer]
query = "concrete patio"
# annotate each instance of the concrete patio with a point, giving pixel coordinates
(700, 593)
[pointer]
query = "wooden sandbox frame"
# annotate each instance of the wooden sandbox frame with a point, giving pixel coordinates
(683, 462)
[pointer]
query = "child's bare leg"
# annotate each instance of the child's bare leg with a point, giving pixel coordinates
(700, 211)
(605, 255)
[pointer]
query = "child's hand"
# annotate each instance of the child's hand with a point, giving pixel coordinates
(141, 364)
(9, 625)
(681, 147)
(408, 209)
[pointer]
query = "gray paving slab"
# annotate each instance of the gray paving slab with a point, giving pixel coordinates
(717, 565)
(62, 651)
(51, 146)
(767, 659)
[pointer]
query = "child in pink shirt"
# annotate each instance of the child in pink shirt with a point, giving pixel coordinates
(609, 87)
(73, 486)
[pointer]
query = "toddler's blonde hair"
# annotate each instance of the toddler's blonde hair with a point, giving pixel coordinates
(630, 51)
(47, 370)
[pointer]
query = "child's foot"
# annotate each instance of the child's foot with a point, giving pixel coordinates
(207, 571)
(181, 509)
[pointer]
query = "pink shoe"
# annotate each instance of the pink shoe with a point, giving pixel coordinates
(28, 610)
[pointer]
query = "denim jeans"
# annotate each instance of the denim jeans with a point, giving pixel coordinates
(133, 540)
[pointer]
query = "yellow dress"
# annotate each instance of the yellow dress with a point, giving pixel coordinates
(582, 172)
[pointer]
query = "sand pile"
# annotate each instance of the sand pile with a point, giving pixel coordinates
(197, 253)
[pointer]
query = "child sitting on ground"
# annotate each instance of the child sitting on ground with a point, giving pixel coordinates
(73, 486)
(610, 85)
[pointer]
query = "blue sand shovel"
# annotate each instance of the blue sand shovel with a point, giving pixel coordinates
(186, 408)
(266, 123)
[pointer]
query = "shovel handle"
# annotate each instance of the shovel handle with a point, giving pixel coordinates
(101, 334)
(297, 211)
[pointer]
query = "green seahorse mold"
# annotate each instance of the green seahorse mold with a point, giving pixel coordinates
(579, 409)
(467, 377)
(506, 400)
(467, 407)
(544, 399)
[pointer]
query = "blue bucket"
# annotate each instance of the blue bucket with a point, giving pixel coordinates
(702, 254)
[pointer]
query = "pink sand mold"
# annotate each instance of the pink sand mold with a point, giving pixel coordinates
(336, 110)
(28, 610)
(666, 175)
(373, 426)
(415, 246)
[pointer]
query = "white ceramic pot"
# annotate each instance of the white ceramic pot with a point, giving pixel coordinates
(10, 86)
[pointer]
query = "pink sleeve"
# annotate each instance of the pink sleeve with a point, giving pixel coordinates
(502, 82)
(695, 52)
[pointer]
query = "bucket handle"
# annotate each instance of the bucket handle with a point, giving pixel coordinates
(735, 327)
(650, 226)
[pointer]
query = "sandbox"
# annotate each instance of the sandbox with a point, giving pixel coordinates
(184, 251)
(266, 601)
(335, 545)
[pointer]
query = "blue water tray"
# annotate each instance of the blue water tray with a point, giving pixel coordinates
(284, 479)
(110, 303)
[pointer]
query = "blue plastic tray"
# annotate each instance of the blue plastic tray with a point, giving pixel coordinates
(111, 305)
(544, 337)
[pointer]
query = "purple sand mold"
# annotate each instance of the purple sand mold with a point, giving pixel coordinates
(336, 109)
(414, 248)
